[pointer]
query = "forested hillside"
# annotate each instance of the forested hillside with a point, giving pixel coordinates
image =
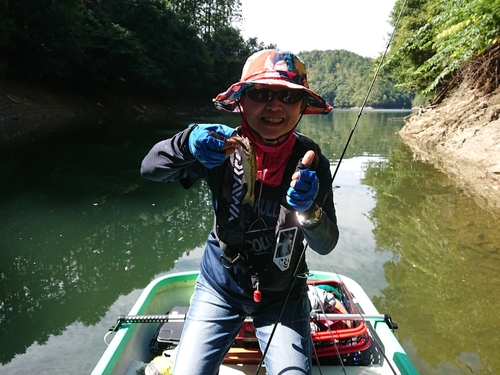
(175, 48)
(169, 48)
(343, 79)
(193, 49)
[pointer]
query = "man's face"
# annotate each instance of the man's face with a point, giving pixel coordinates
(272, 119)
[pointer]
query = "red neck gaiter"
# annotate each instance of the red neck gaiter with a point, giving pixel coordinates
(271, 158)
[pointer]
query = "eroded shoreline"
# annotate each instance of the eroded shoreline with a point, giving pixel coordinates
(461, 137)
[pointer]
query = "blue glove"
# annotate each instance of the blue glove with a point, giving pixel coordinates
(301, 196)
(206, 142)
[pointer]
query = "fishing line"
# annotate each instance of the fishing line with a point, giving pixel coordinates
(342, 157)
(331, 335)
(377, 71)
(367, 324)
(365, 100)
(332, 180)
(278, 319)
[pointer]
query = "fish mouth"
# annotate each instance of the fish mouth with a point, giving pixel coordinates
(273, 120)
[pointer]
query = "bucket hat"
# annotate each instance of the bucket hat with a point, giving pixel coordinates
(272, 67)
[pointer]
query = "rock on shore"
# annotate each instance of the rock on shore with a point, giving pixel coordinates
(461, 137)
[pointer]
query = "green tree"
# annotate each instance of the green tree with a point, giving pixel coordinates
(175, 58)
(437, 38)
(343, 79)
(208, 16)
(43, 38)
(229, 52)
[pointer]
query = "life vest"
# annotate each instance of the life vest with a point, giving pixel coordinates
(263, 241)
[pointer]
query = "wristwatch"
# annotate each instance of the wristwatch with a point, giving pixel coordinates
(310, 217)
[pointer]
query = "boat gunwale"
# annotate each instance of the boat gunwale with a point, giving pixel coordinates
(111, 356)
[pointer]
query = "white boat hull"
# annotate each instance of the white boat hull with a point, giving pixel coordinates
(130, 344)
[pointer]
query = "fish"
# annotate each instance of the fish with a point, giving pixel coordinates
(249, 161)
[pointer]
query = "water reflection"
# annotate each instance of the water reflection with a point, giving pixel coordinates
(82, 233)
(80, 227)
(443, 279)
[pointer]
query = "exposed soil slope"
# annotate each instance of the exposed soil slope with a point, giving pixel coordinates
(461, 136)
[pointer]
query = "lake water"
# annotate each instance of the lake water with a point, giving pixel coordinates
(82, 233)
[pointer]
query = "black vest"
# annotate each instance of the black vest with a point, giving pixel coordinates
(266, 239)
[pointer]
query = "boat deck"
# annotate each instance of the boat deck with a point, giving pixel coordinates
(130, 344)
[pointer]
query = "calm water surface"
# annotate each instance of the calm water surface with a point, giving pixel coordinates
(82, 233)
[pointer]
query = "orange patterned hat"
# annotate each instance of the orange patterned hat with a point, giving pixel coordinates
(273, 67)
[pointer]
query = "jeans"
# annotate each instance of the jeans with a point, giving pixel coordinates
(213, 321)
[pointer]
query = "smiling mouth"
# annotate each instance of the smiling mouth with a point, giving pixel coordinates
(274, 120)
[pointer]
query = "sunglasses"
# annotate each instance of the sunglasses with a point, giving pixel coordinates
(284, 96)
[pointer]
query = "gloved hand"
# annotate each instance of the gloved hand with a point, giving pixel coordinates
(206, 142)
(301, 195)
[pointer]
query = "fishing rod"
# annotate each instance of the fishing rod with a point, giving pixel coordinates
(337, 351)
(278, 319)
(392, 325)
(365, 100)
(333, 178)
(128, 319)
(387, 319)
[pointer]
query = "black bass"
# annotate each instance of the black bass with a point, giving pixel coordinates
(249, 161)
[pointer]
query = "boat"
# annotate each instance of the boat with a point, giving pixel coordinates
(357, 338)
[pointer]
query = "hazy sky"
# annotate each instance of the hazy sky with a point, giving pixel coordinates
(359, 26)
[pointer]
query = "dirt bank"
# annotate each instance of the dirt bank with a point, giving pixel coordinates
(461, 137)
(24, 106)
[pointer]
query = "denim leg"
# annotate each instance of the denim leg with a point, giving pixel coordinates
(290, 349)
(209, 331)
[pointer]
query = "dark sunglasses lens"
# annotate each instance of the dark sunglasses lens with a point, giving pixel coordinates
(260, 95)
(285, 96)
(290, 96)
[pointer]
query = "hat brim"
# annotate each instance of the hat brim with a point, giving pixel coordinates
(228, 100)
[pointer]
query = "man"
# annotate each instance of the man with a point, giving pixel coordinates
(254, 261)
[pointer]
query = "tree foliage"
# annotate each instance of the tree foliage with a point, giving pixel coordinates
(186, 48)
(438, 38)
(208, 16)
(118, 43)
(343, 79)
